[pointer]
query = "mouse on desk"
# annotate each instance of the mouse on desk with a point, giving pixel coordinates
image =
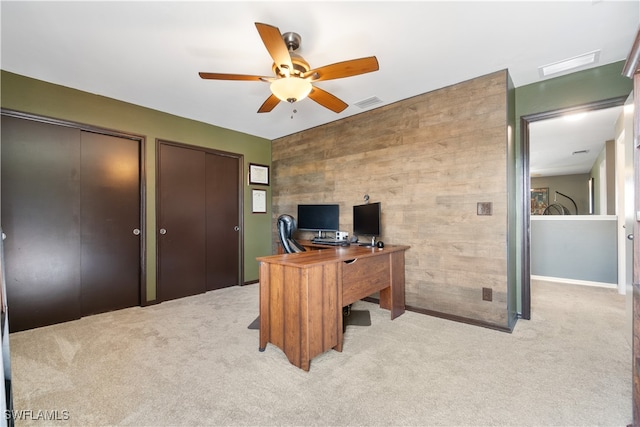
(380, 244)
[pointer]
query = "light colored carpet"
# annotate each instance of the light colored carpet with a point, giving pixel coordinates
(193, 361)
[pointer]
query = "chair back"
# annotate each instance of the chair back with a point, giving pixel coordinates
(286, 227)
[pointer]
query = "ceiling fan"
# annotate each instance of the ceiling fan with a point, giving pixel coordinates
(293, 75)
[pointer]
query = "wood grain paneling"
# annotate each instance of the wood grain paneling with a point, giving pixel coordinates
(429, 159)
(360, 274)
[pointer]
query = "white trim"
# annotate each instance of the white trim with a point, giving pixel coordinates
(575, 282)
(573, 217)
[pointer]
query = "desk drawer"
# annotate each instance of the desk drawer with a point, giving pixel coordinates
(364, 276)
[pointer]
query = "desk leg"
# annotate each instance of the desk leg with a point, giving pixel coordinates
(338, 347)
(339, 305)
(264, 306)
(392, 297)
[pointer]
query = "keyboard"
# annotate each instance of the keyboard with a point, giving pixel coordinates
(330, 242)
(324, 240)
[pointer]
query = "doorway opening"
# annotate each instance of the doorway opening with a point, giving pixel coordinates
(526, 122)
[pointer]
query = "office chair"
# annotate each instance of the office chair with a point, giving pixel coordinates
(286, 228)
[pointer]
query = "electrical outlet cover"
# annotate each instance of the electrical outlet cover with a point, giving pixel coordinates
(485, 208)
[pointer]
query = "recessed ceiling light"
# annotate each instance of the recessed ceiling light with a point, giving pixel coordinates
(569, 64)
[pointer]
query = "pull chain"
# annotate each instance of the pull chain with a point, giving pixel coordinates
(294, 111)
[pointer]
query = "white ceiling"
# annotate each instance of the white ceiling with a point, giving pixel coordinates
(149, 53)
(553, 142)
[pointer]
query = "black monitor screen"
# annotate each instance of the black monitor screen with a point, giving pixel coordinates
(319, 217)
(366, 220)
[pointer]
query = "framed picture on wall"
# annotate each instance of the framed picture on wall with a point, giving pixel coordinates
(258, 201)
(258, 174)
(539, 200)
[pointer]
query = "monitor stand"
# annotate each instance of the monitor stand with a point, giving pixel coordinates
(372, 244)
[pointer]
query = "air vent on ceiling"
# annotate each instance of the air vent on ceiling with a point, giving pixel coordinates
(579, 61)
(368, 102)
(575, 153)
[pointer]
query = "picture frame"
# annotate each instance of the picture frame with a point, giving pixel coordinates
(258, 201)
(539, 200)
(258, 174)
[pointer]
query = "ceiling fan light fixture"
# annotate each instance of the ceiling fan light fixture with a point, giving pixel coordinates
(291, 89)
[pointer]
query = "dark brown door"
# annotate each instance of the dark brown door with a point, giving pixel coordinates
(70, 202)
(181, 221)
(41, 218)
(223, 229)
(110, 223)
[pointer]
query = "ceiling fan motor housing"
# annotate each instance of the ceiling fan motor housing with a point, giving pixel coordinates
(300, 65)
(292, 40)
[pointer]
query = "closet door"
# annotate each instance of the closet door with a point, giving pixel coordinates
(70, 204)
(41, 218)
(223, 229)
(181, 221)
(110, 223)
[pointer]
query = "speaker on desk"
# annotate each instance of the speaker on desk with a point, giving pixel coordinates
(342, 235)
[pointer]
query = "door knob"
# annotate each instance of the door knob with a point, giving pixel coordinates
(136, 231)
(163, 231)
(236, 228)
(630, 236)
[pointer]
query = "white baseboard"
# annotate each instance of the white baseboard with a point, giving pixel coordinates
(576, 282)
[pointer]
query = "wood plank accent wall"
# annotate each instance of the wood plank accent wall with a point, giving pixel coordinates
(429, 159)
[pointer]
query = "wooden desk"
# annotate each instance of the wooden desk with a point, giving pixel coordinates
(302, 295)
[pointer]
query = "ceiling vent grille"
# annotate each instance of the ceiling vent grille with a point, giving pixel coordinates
(580, 61)
(368, 102)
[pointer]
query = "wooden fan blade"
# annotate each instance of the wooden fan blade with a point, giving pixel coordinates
(327, 100)
(269, 104)
(275, 45)
(344, 69)
(222, 76)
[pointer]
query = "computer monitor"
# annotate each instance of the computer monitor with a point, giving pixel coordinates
(319, 218)
(366, 220)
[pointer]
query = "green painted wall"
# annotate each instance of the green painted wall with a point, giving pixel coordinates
(572, 90)
(583, 87)
(31, 96)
